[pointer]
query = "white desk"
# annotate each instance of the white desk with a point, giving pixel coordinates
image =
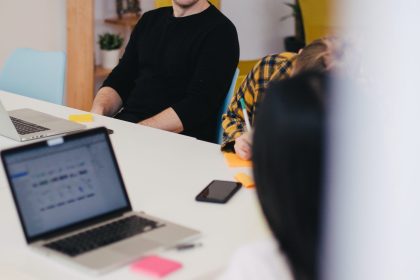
(163, 172)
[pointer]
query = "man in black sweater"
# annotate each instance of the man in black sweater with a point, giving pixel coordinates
(175, 72)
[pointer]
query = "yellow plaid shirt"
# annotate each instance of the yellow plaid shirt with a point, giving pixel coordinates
(271, 67)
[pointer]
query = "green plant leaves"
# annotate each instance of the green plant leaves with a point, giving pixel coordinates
(109, 41)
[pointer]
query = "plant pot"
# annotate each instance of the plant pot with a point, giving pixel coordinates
(292, 44)
(110, 58)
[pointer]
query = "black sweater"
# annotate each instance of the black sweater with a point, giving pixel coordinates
(186, 63)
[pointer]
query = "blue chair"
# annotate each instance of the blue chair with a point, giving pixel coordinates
(35, 74)
(225, 106)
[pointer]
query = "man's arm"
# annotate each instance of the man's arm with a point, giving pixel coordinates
(107, 102)
(214, 68)
(167, 120)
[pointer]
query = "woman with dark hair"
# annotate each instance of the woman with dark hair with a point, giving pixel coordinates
(288, 157)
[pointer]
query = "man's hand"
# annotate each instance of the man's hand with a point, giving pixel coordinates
(166, 120)
(243, 146)
(107, 102)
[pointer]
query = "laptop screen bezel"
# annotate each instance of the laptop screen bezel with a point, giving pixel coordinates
(76, 225)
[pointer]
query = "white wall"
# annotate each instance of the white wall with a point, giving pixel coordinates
(39, 24)
(259, 27)
(373, 199)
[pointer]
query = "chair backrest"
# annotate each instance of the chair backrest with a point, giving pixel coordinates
(225, 106)
(166, 3)
(35, 74)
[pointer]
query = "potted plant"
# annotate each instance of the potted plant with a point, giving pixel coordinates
(295, 43)
(110, 45)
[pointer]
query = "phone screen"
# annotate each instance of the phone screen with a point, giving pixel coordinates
(218, 191)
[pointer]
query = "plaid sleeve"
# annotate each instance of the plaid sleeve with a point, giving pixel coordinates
(233, 123)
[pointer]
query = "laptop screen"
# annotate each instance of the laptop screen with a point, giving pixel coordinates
(64, 181)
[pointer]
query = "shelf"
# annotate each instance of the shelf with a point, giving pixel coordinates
(129, 21)
(101, 72)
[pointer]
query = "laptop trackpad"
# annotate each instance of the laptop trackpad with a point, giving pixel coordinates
(135, 246)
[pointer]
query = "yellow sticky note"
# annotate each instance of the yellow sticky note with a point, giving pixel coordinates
(81, 118)
(245, 180)
(234, 161)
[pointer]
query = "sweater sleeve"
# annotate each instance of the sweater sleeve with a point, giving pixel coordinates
(269, 68)
(214, 70)
(233, 122)
(123, 76)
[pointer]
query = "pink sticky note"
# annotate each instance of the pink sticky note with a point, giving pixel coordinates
(156, 266)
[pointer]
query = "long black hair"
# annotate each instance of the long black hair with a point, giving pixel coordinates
(288, 156)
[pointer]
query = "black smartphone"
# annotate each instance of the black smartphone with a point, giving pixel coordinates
(218, 191)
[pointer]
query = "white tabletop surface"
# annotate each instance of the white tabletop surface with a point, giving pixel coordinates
(163, 173)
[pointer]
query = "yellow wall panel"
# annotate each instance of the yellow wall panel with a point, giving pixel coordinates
(316, 18)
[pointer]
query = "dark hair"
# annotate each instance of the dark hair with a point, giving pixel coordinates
(288, 156)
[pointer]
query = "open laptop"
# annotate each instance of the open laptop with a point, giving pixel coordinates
(27, 124)
(73, 205)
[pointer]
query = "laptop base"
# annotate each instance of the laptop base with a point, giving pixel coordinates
(121, 253)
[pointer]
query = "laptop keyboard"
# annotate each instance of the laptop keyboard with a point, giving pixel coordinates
(101, 236)
(24, 127)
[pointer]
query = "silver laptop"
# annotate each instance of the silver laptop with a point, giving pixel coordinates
(26, 124)
(73, 205)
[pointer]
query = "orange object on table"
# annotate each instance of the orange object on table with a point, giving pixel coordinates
(245, 180)
(234, 161)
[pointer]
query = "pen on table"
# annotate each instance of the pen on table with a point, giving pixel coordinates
(247, 123)
(182, 247)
